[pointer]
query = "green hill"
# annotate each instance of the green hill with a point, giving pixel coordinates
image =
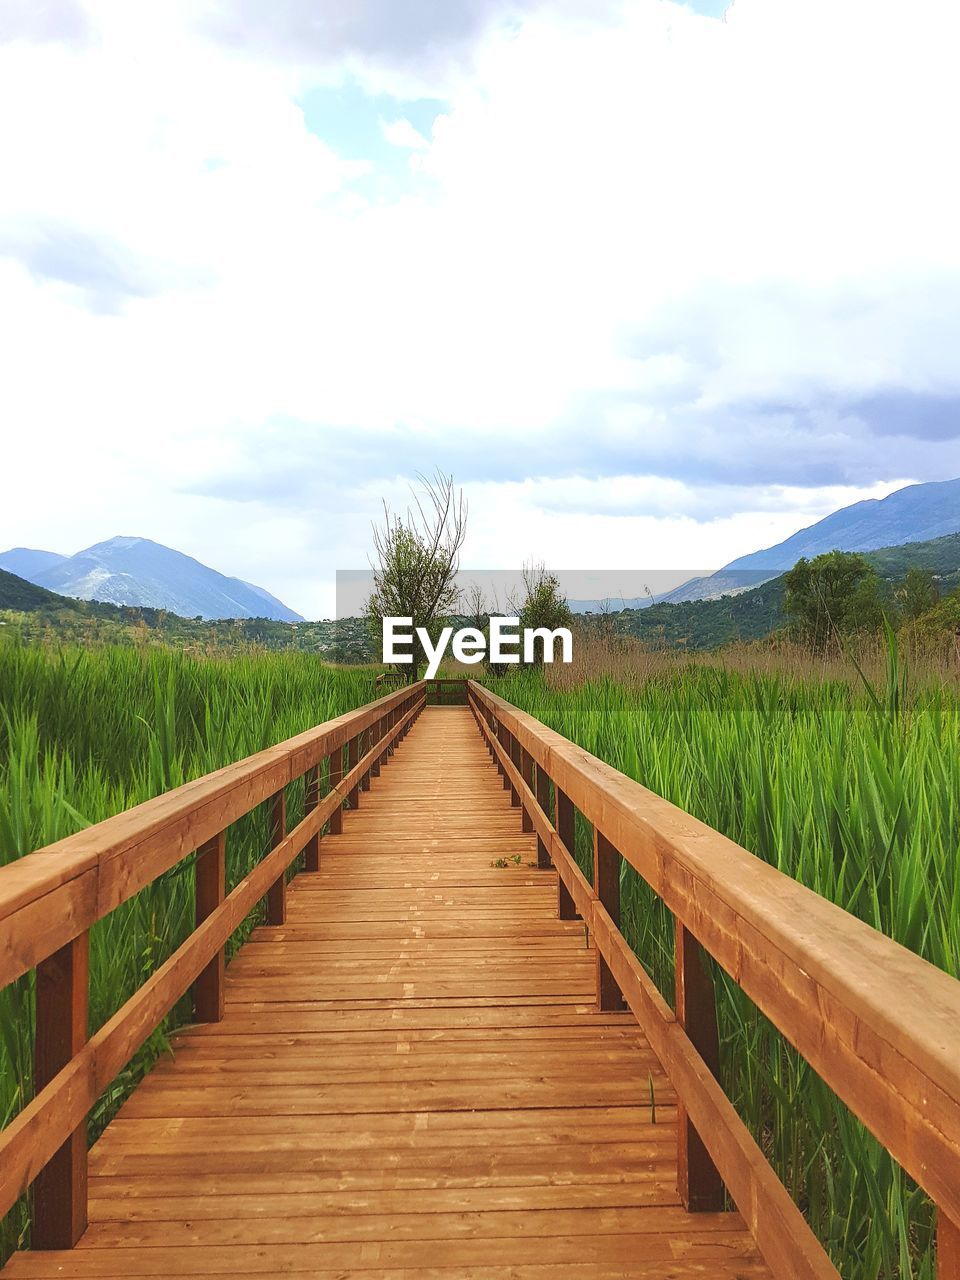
(38, 615)
(21, 595)
(754, 614)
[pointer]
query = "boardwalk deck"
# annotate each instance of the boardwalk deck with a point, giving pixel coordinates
(411, 1078)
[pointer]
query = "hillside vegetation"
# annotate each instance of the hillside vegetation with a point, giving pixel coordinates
(757, 613)
(39, 616)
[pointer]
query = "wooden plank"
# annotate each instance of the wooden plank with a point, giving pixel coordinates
(721, 1251)
(60, 1192)
(211, 869)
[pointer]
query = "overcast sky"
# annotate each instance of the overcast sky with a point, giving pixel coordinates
(657, 284)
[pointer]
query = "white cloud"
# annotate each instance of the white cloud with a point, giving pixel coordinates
(620, 233)
(401, 133)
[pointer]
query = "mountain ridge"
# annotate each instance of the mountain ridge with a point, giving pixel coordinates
(131, 570)
(916, 513)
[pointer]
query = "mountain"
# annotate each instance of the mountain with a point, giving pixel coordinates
(136, 571)
(917, 513)
(27, 563)
(754, 611)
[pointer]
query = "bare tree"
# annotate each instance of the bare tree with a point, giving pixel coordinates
(416, 560)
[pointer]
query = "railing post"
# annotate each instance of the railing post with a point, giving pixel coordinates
(335, 773)
(543, 800)
(311, 798)
(503, 739)
(606, 885)
(60, 1188)
(353, 755)
(364, 741)
(377, 735)
(211, 875)
(566, 830)
(515, 757)
(698, 1182)
(277, 893)
(948, 1248)
(526, 772)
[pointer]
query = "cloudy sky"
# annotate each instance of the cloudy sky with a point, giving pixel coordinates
(659, 284)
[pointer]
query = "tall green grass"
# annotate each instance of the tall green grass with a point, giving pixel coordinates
(853, 792)
(87, 733)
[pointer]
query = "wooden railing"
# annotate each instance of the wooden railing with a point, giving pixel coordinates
(49, 900)
(446, 691)
(877, 1023)
(441, 690)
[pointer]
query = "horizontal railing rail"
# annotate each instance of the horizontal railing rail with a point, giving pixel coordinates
(879, 1024)
(51, 898)
(447, 691)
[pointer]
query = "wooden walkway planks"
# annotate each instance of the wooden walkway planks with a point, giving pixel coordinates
(410, 1079)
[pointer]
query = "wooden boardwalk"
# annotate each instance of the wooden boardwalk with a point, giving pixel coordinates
(411, 1077)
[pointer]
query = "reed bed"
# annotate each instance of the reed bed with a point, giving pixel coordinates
(87, 733)
(852, 790)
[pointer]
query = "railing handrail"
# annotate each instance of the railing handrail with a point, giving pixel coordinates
(48, 1136)
(878, 1023)
(50, 896)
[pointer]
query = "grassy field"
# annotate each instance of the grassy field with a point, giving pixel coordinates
(86, 733)
(854, 793)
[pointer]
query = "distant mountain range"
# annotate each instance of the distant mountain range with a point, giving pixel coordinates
(137, 571)
(699, 624)
(917, 513)
(754, 613)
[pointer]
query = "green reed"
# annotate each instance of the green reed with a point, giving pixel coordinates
(87, 733)
(853, 791)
